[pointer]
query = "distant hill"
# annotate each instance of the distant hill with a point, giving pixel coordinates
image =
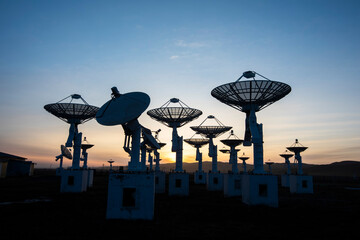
(343, 168)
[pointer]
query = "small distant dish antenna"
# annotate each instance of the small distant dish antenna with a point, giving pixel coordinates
(175, 117)
(298, 148)
(251, 96)
(124, 109)
(286, 155)
(85, 145)
(197, 143)
(269, 163)
(74, 114)
(211, 131)
(111, 162)
(244, 158)
(233, 141)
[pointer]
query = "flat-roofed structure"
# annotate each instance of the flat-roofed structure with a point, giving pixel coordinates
(12, 165)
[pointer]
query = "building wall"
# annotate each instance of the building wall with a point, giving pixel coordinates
(3, 168)
(18, 168)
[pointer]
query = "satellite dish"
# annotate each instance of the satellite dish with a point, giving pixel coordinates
(175, 117)
(65, 152)
(171, 116)
(286, 154)
(251, 96)
(72, 112)
(123, 108)
(297, 147)
(197, 142)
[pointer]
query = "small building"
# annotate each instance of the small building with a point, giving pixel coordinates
(11, 165)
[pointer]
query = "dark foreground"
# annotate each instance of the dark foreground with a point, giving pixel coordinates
(33, 208)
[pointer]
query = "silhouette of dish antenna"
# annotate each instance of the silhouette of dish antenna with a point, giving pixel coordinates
(197, 142)
(124, 109)
(297, 148)
(86, 145)
(65, 152)
(244, 158)
(251, 96)
(211, 131)
(286, 155)
(174, 117)
(74, 114)
(233, 141)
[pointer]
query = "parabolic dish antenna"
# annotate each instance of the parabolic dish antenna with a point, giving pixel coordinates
(250, 96)
(245, 95)
(197, 142)
(286, 154)
(123, 108)
(174, 115)
(65, 152)
(72, 112)
(297, 147)
(211, 131)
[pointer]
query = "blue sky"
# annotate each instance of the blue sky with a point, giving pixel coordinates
(183, 49)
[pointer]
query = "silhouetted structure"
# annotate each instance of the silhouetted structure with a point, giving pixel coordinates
(12, 165)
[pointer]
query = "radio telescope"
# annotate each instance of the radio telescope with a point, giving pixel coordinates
(85, 145)
(197, 143)
(175, 117)
(211, 132)
(297, 148)
(64, 153)
(124, 110)
(286, 155)
(251, 96)
(244, 158)
(74, 114)
(233, 141)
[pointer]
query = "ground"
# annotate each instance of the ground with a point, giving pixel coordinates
(34, 208)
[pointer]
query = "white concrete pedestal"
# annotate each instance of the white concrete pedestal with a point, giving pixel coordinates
(301, 184)
(74, 180)
(260, 190)
(160, 181)
(215, 181)
(200, 177)
(131, 196)
(285, 180)
(232, 184)
(178, 184)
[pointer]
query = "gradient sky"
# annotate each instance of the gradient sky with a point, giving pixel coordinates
(183, 49)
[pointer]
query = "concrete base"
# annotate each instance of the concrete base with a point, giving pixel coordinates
(301, 184)
(160, 180)
(131, 196)
(90, 177)
(260, 190)
(178, 184)
(200, 177)
(232, 185)
(285, 180)
(215, 181)
(74, 180)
